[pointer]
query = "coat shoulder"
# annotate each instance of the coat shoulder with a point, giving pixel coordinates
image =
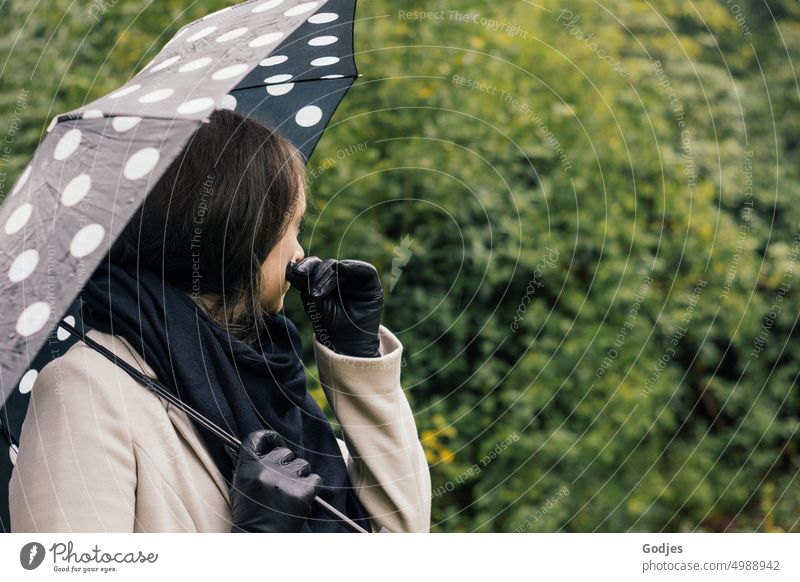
(83, 374)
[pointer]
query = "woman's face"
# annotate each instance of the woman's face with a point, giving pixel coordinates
(287, 250)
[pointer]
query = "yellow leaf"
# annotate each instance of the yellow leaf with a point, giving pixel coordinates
(447, 456)
(477, 42)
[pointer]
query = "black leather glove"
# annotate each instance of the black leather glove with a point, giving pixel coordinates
(343, 300)
(272, 490)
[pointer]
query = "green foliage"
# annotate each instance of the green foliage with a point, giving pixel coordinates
(543, 221)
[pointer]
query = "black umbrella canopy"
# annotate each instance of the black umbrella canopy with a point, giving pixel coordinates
(285, 63)
(245, 57)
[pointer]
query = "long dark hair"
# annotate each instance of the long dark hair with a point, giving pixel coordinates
(214, 216)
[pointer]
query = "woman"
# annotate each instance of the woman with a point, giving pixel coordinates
(191, 294)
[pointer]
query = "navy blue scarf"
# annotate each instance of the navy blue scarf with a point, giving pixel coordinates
(231, 383)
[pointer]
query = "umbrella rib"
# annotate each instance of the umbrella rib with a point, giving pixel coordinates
(258, 85)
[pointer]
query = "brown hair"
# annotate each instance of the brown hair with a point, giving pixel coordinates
(214, 216)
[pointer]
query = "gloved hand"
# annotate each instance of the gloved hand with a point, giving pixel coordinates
(343, 300)
(272, 490)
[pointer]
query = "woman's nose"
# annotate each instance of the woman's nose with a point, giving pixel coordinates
(299, 255)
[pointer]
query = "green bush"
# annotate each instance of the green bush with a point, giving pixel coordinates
(582, 226)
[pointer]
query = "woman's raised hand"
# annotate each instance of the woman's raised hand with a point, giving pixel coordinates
(344, 301)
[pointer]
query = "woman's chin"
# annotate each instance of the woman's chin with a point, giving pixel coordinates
(274, 307)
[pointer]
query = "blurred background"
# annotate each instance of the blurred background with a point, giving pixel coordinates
(585, 218)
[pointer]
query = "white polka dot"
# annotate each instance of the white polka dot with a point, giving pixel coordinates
(200, 34)
(21, 180)
(323, 17)
(195, 64)
(231, 34)
(77, 188)
(324, 61)
(23, 265)
(86, 240)
(229, 72)
(124, 122)
(18, 218)
(33, 318)
(332, 77)
(265, 39)
(92, 114)
(12, 454)
(274, 60)
(67, 144)
(267, 5)
(277, 78)
(140, 163)
(323, 40)
(164, 64)
(61, 333)
(195, 105)
(124, 91)
(301, 8)
(227, 102)
(157, 95)
(308, 116)
(278, 90)
(27, 380)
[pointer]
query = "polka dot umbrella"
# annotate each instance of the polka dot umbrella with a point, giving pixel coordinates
(285, 63)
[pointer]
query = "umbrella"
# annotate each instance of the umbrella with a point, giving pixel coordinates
(285, 63)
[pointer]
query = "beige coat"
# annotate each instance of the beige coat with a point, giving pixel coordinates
(99, 452)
